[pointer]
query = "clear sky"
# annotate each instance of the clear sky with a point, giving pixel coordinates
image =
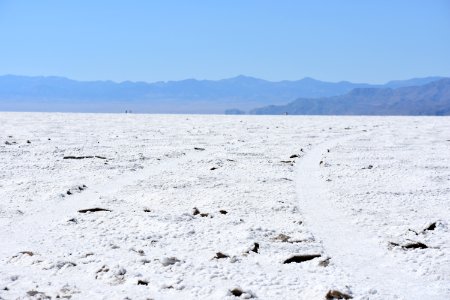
(361, 41)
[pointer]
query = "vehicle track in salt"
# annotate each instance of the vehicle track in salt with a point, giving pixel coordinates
(350, 248)
(26, 233)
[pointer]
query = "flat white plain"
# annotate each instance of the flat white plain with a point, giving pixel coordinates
(356, 188)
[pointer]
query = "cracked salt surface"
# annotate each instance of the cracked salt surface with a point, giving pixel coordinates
(132, 231)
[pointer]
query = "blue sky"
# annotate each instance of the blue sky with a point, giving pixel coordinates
(360, 41)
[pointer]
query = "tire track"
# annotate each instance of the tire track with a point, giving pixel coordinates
(28, 232)
(374, 274)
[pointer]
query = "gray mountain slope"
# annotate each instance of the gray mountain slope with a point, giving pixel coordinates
(429, 99)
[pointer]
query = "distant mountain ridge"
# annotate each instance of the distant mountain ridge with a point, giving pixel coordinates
(186, 96)
(430, 99)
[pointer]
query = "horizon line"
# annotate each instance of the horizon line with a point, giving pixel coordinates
(223, 79)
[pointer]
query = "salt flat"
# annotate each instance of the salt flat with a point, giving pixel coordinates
(370, 195)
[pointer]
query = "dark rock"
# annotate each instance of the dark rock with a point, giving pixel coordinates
(255, 248)
(142, 282)
(223, 212)
(432, 226)
(220, 255)
(103, 269)
(415, 245)
(294, 156)
(95, 209)
(300, 258)
(140, 251)
(62, 264)
(236, 292)
(334, 294)
(83, 157)
(196, 211)
(199, 149)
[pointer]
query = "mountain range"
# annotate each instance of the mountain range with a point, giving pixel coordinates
(430, 99)
(234, 95)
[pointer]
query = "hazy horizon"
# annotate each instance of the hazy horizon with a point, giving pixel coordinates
(228, 78)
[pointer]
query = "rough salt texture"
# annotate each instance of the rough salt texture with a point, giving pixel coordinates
(151, 244)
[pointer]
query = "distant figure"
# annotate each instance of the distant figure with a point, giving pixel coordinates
(286, 113)
(126, 111)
